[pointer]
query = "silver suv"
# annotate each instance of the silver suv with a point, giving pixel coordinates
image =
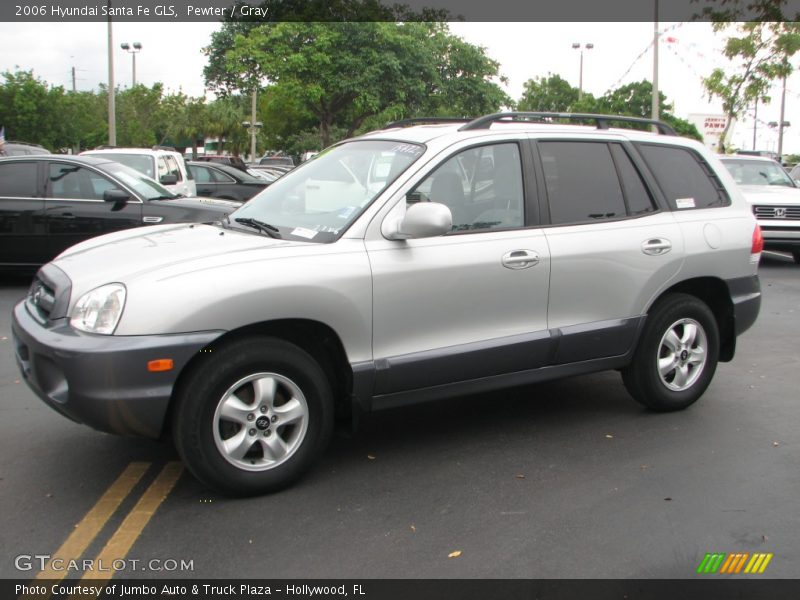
(409, 264)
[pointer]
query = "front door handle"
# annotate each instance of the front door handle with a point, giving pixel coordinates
(520, 259)
(656, 246)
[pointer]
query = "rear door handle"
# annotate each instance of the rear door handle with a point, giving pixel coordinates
(520, 259)
(656, 246)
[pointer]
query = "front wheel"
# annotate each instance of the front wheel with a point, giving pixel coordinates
(676, 356)
(253, 416)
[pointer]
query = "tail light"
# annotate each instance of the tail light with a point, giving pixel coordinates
(757, 246)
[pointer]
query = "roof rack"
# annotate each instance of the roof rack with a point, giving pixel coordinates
(426, 121)
(601, 121)
(170, 148)
(105, 147)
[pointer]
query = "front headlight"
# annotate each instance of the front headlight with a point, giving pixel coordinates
(99, 311)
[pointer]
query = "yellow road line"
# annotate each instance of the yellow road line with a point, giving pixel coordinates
(94, 521)
(128, 532)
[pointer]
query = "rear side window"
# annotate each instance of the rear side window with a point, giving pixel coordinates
(18, 180)
(685, 178)
(582, 182)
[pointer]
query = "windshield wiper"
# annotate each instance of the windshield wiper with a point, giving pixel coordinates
(263, 227)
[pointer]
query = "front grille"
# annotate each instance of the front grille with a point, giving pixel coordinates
(780, 212)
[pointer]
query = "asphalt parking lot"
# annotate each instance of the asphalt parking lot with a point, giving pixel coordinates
(569, 479)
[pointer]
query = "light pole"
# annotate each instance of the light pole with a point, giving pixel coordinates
(137, 47)
(577, 46)
(253, 127)
(112, 114)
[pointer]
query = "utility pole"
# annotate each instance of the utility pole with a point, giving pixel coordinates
(112, 114)
(253, 129)
(782, 123)
(655, 109)
(755, 123)
(74, 86)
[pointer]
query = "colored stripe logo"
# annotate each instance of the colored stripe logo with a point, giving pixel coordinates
(734, 563)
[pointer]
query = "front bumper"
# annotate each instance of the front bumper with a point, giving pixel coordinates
(777, 237)
(100, 380)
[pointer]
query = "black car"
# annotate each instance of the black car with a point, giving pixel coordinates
(51, 202)
(222, 181)
(233, 161)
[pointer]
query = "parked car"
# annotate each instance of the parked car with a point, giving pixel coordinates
(22, 149)
(775, 200)
(234, 161)
(51, 202)
(371, 277)
(162, 164)
(263, 174)
(221, 181)
(286, 161)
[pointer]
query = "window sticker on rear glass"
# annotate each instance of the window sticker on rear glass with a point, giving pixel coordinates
(684, 202)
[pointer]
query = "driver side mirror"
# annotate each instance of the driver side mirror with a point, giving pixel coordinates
(168, 179)
(422, 220)
(116, 196)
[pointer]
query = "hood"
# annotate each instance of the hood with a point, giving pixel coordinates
(164, 250)
(770, 194)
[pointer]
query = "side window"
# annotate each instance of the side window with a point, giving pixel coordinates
(582, 183)
(172, 166)
(684, 177)
(201, 174)
(71, 182)
(18, 180)
(481, 186)
(163, 169)
(220, 177)
(636, 194)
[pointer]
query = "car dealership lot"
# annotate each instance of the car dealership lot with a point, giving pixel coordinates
(565, 479)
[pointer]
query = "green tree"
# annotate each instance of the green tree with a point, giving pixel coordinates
(759, 53)
(548, 94)
(347, 73)
(635, 99)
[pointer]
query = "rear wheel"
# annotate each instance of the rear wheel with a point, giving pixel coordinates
(676, 356)
(253, 416)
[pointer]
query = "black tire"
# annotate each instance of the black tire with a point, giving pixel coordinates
(684, 380)
(201, 432)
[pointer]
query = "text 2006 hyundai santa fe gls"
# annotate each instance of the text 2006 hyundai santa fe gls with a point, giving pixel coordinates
(412, 263)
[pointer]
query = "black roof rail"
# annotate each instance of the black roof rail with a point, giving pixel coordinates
(170, 148)
(426, 121)
(105, 147)
(601, 121)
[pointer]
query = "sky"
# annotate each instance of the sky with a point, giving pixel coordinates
(622, 53)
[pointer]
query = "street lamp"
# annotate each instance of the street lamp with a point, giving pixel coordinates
(137, 47)
(577, 46)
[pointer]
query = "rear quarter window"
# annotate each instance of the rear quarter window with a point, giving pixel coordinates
(687, 180)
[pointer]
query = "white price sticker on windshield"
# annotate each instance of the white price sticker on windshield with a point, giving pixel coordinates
(302, 232)
(684, 202)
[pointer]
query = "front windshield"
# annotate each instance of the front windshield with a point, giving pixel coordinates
(758, 172)
(141, 184)
(320, 199)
